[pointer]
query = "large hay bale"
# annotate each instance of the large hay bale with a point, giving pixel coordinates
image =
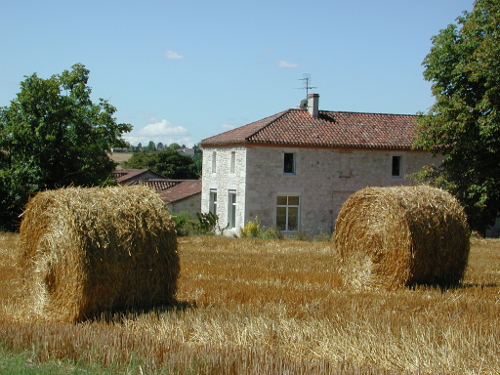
(98, 250)
(402, 236)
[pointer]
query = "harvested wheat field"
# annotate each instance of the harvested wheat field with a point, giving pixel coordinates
(391, 237)
(247, 306)
(85, 252)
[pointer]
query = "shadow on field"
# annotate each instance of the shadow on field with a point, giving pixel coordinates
(132, 314)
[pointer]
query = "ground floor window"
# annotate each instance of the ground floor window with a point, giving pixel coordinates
(213, 201)
(231, 210)
(287, 213)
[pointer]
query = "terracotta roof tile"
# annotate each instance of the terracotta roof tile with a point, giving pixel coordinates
(124, 175)
(182, 190)
(297, 127)
(160, 184)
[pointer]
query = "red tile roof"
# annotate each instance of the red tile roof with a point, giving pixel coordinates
(124, 175)
(184, 189)
(160, 184)
(296, 127)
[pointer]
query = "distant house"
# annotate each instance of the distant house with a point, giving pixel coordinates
(184, 196)
(178, 195)
(294, 170)
(133, 176)
(186, 151)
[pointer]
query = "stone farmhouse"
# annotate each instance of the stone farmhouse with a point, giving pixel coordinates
(294, 170)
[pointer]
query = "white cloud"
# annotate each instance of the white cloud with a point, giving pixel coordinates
(162, 127)
(286, 64)
(173, 55)
(160, 131)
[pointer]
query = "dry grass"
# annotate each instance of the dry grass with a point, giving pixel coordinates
(392, 237)
(87, 251)
(279, 307)
(120, 157)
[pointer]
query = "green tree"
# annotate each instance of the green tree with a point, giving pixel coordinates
(463, 125)
(168, 163)
(198, 157)
(151, 147)
(174, 146)
(53, 135)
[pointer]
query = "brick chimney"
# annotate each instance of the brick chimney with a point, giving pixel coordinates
(312, 104)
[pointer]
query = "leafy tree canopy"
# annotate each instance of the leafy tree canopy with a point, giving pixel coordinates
(169, 163)
(151, 146)
(463, 125)
(198, 157)
(174, 146)
(53, 135)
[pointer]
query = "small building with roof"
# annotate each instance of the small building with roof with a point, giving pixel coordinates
(185, 196)
(178, 195)
(128, 177)
(294, 170)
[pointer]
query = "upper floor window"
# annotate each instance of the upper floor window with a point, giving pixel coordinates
(233, 162)
(289, 163)
(396, 166)
(214, 161)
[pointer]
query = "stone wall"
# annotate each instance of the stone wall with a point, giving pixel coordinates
(191, 204)
(225, 180)
(324, 179)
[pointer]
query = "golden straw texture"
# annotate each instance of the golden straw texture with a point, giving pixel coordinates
(401, 236)
(89, 251)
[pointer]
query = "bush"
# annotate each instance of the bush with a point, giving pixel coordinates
(251, 229)
(206, 223)
(272, 234)
(183, 223)
(254, 229)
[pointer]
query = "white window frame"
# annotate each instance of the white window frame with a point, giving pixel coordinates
(294, 163)
(214, 161)
(399, 158)
(231, 208)
(232, 165)
(287, 206)
(213, 201)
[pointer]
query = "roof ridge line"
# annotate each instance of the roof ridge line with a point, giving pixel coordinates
(269, 123)
(370, 113)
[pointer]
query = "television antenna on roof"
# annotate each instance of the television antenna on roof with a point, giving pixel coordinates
(307, 80)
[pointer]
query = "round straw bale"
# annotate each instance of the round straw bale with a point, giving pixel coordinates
(402, 236)
(90, 251)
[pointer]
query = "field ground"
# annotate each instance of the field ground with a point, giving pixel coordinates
(250, 306)
(120, 157)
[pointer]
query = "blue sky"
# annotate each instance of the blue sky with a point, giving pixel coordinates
(182, 71)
